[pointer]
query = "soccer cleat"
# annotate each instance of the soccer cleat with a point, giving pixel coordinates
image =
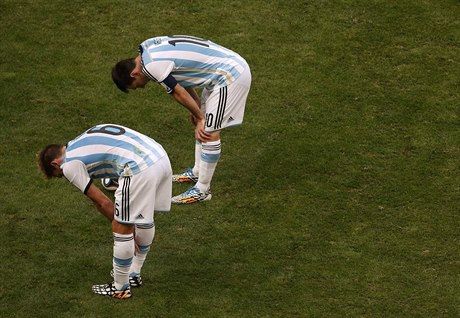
(192, 195)
(186, 176)
(109, 184)
(110, 291)
(135, 280)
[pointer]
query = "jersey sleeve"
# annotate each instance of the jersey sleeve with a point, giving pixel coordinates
(75, 171)
(158, 70)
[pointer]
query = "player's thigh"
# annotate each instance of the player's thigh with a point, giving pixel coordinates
(135, 198)
(225, 106)
(163, 194)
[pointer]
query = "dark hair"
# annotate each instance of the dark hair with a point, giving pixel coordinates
(46, 156)
(121, 74)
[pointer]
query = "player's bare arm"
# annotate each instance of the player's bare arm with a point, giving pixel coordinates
(183, 97)
(194, 95)
(101, 201)
(197, 99)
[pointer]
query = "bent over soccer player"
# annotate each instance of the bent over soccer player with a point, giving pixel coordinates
(181, 64)
(144, 174)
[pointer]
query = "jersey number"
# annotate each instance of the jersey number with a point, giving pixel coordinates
(187, 39)
(209, 120)
(117, 211)
(107, 129)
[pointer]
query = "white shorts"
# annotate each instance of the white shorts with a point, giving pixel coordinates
(224, 107)
(138, 196)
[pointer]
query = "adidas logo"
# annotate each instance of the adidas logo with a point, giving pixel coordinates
(231, 119)
(140, 216)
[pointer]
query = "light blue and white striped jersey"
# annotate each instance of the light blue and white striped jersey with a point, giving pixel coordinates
(193, 62)
(112, 151)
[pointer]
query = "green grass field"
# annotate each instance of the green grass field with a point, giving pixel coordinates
(338, 197)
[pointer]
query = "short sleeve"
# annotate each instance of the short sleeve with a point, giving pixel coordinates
(158, 70)
(75, 171)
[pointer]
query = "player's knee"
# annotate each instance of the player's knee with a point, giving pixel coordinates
(215, 135)
(123, 248)
(144, 235)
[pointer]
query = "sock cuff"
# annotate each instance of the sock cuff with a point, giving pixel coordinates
(117, 237)
(211, 147)
(214, 142)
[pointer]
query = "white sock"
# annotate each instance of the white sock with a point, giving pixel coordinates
(123, 252)
(210, 154)
(196, 167)
(144, 235)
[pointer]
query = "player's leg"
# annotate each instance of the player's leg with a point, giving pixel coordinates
(224, 108)
(163, 192)
(123, 245)
(196, 166)
(210, 155)
(191, 174)
(144, 235)
(213, 104)
(123, 230)
(205, 94)
(154, 194)
(123, 252)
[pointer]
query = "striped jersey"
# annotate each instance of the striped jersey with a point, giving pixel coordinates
(110, 151)
(192, 61)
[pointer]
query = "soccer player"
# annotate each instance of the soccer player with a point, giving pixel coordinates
(182, 64)
(144, 174)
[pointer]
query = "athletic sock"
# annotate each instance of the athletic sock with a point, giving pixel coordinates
(144, 235)
(196, 167)
(123, 252)
(210, 154)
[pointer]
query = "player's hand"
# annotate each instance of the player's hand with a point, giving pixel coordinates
(200, 134)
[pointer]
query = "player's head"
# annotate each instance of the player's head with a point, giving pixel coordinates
(127, 74)
(49, 160)
(121, 74)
